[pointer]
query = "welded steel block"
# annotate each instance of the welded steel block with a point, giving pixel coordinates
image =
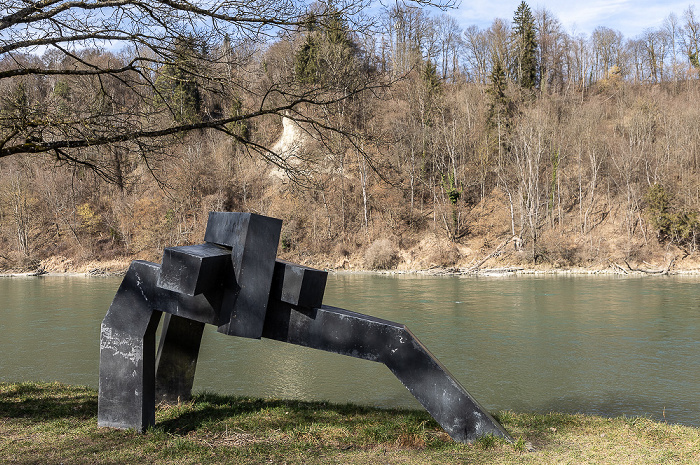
(253, 240)
(204, 307)
(195, 269)
(298, 285)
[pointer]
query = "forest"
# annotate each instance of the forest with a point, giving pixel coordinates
(402, 141)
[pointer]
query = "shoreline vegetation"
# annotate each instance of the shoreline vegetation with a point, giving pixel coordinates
(438, 271)
(59, 266)
(56, 423)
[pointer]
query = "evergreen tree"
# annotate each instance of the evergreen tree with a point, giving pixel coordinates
(177, 86)
(525, 65)
(499, 103)
(430, 78)
(500, 111)
(306, 59)
(694, 60)
(328, 53)
(429, 89)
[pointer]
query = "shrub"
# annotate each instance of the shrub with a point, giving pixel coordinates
(89, 220)
(381, 255)
(676, 225)
(445, 254)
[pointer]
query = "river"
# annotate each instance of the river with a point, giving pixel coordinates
(606, 345)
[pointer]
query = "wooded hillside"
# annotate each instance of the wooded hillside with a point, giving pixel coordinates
(413, 143)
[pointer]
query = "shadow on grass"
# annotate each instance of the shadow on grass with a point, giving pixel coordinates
(46, 401)
(209, 408)
(39, 402)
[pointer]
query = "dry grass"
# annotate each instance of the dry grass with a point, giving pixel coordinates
(61, 264)
(381, 255)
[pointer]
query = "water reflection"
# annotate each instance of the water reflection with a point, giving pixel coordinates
(605, 345)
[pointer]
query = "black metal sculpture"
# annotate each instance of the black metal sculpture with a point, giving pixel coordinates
(234, 282)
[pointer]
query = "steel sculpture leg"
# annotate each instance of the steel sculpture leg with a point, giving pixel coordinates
(343, 332)
(176, 360)
(127, 358)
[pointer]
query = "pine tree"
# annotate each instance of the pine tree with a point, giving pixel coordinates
(177, 85)
(525, 65)
(306, 61)
(328, 50)
(430, 78)
(499, 103)
(694, 60)
(499, 114)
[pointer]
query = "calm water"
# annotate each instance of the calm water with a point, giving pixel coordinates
(602, 345)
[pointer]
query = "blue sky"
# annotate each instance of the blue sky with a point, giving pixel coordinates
(631, 17)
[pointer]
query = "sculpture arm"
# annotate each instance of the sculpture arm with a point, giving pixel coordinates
(354, 334)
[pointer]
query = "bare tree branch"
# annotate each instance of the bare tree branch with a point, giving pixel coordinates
(175, 69)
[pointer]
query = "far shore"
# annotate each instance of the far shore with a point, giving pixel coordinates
(434, 271)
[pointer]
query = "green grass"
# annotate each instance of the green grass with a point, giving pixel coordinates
(57, 424)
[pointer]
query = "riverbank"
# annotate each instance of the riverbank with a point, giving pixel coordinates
(119, 266)
(53, 423)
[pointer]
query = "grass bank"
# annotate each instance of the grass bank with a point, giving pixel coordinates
(53, 423)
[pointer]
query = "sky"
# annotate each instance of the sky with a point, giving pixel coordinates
(630, 17)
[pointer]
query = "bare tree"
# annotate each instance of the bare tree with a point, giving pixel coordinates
(406, 28)
(671, 30)
(450, 44)
(579, 62)
(551, 47)
(636, 53)
(656, 48)
(607, 47)
(529, 151)
(499, 37)
(690, 38)
(477, 54)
